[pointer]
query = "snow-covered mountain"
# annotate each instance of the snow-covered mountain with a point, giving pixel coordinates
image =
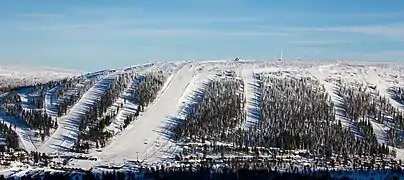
(135, 114)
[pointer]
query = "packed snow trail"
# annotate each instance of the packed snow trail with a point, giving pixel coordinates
(320, 73)
(66, 134)
(166, 148)
(129, 107)
(25, 134)
(381, 130)
(366, 75)
(50, 96)
(134, 141)
(252, 96)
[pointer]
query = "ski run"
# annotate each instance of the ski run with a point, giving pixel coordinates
(66, 134)
(149, 129)
(148, 137)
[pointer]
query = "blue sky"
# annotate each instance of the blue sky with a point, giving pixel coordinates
(96, 34)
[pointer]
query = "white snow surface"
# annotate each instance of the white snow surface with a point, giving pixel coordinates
(18, 75)
(383, 76)
(129, 107)
(68, 126)
(251, 94)
(148, 137)
(150, 125)
(26, 135)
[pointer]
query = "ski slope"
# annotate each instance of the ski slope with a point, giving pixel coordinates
(363, 74)
(129, 107)
(26, 135)
(148, 127)
(251, 97)
(321, 73)
(50, 96)
(166, 147)
(68, 126)
(148, 137)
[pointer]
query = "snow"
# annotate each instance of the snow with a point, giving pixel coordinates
(128, 108)
(352, 72)
(25, 134)
(167, 148)
(149, 126)
(19, 75)
(251, 92)
(321, 73)
(51, 108)
(68, 126)
(118, 122)
(50, 97)
(148, 137)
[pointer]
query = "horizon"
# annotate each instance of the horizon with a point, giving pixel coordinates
(88, 36)
(83, 71)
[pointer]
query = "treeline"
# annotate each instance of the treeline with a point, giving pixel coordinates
(36, 119)
(216, 116)
(41, 121)
(89, 134)
(11, 97)
(297, 113)
(70, 84)
(149, 85)
(182, 173)
(145, 92)
(397, 93)
(364, 104)
(77, 87)
(27, 84)
(8, 88)
(42, 88)
(92, 127)
(39, 91)
(10, 136)
(100, 114)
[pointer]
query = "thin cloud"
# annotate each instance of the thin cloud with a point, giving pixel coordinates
(256, 33)
(382, 55)
(56, 27)
(393, 31)
(182, 20)
(41, 15)
(94, 32)
(209, 20)
(150, 20)
(395, 54)
(319, 42)
(386, 30)
(369, 15)
(197, 32)
(87, 25)
(141, 27)
(164, 32)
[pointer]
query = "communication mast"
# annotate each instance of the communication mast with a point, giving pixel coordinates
(281, 57)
